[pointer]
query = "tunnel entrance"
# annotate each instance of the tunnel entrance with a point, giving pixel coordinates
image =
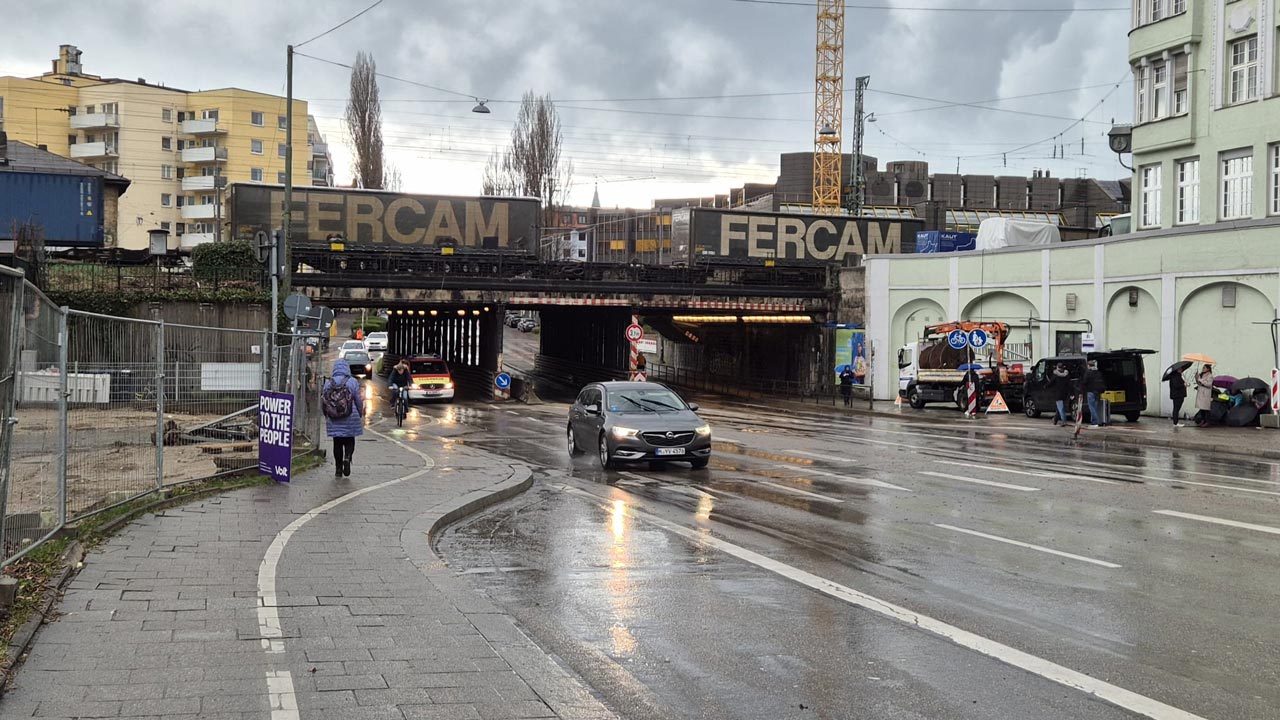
(468, 338)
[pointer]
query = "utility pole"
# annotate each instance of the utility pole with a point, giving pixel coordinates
(858, 197)
(288, 164)
(217, 193)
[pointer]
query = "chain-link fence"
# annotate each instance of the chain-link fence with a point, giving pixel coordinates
(99, 410)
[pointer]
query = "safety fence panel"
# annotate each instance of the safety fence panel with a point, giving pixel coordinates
(34, 507)
(212, 377)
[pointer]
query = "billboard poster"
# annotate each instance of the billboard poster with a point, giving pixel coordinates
(851, 350)
(275, 434)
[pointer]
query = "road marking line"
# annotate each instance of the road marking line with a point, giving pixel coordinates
(1062, 675)
(1041, 474)
(976, 481)
(280, 689)
(1186, 472)
(852, 480)
(1051, 551)
(1219, 521)
(806, 493)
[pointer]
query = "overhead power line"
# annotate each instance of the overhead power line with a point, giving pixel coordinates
(393, 77)
(935, 8)
(335, 27)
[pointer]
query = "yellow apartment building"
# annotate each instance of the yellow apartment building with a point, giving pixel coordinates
(180, 148)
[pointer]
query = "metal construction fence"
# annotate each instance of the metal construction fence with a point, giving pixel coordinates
(101, 410)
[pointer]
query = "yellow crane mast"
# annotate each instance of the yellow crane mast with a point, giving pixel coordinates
(828, 111)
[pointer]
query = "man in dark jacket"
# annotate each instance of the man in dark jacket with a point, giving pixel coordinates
(1177, 393)
(1094, 384)
(846, 385)
(1063, 389)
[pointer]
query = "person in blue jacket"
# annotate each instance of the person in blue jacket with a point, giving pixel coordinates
(345, 430)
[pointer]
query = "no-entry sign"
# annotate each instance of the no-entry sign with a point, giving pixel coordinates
(635, 333)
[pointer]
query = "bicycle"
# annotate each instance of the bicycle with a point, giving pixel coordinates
(399, 404)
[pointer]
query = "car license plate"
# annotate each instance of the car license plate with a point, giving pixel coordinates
(669, 451)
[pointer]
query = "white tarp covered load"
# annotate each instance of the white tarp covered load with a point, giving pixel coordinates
(996, 233)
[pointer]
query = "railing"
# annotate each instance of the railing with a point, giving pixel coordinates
(130, 278)
(762, 388)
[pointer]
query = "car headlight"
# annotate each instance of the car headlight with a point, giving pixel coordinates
(704, 431)
(448, 385)
(622, 433)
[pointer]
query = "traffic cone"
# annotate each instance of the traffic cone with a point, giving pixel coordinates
(897, 402)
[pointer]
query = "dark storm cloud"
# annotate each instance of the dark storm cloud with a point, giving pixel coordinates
(579, 50)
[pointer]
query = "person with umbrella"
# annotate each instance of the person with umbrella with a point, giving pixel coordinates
(1204, 395)
(1177, 387)
(846, 385)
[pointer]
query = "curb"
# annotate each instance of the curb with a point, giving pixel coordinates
(520, 480)
(74, 555)
(1103, 442)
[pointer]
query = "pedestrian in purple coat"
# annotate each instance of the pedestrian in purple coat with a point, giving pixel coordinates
(344, 431)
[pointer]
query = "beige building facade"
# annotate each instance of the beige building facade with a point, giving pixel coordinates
(179, 148)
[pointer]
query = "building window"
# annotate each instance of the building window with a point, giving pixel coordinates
(280, 178)
(1151, 196)
(1188, 192)
(181, 200)
(257, 118)
(1237, 187)
(255, 147)
(1155, 8)
(1244, 70)
(1159, 89)
(166, 172)
(182, 228)
(1177, 7)
(165, 225)
(166, 200)
(88, 109)
(281, 149)
(255, 174)
(166, 115)
(166, 143)
(209, 114)
(1139, 104)
(282, 122)
(1275, 180)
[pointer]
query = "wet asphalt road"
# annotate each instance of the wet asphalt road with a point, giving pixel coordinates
(681, 593)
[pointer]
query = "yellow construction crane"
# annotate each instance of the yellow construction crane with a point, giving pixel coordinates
(828, 110)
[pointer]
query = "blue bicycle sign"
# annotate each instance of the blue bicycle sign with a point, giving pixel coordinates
(957, 339)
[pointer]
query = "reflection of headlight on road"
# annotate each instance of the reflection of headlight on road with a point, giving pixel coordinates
(704, 431)
(622, 433)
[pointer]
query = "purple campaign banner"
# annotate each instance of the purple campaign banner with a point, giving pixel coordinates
(275, 434)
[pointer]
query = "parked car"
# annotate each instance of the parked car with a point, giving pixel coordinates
(527, 325)
(376, 341)
(1124, 370)
(627, 422)
(513, 320)
(431, 379)
(360, 362)
(351, 346)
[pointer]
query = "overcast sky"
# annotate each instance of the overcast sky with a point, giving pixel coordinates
(590, 54)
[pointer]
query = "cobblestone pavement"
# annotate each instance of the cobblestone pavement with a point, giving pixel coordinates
(306, 601)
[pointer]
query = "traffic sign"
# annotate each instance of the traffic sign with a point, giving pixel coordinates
(1088, 343)
(647, 346)
(977, 338)
(635, 333)
(502, 381)
(639, 376)
(296, 305)
(957, 339)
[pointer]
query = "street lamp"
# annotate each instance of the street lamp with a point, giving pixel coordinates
(480, 107)
(1121, 141)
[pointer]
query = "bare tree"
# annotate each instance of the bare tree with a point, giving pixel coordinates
(364, 123)
(392, 178)
(532, 165)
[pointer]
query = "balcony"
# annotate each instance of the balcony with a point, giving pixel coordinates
(189, 241)
(204, 154)
(198, 212)
(318, 149)
(93, 121)
(88, 151)
(198, 182)
(202, 127)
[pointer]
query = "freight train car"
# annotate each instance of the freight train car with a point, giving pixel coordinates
(713, 235)
(375, 231)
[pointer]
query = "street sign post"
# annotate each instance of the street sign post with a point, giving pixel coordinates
(275, 435)
(957, 339)
(502, 381)
(977, 338)
(635, 333)
(647, 346)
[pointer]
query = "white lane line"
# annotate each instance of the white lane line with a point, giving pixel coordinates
(1219, 521)
(280, 689)
(820, 456)
(1040, 474)
(1100, 689)
(869, 482)
(1029, 546)
(1184, 472)
(796, 491)
(976, 481)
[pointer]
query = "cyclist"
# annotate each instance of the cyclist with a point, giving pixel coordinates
(400, 380)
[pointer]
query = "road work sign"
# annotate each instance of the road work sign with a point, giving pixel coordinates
(275, 434)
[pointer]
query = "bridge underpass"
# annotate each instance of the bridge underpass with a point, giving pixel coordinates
(759, 338)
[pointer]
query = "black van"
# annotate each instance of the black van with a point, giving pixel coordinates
(1125, 372)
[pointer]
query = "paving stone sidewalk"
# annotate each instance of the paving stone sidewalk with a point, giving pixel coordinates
(166, 619)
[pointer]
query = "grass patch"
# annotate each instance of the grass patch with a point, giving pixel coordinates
(38, 569)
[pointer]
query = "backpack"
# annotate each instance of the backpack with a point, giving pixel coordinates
(337, 401)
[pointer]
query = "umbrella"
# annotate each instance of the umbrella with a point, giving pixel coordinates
(1218, 411)
(1249, 384)
(1176, 369)
(1198, 358)
(1242, 415)
(970, 366)
(1224, 381)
